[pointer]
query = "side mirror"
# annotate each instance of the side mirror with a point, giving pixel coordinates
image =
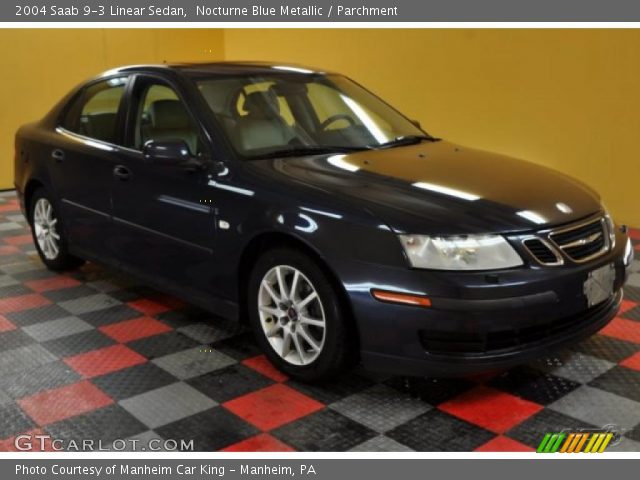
(417, 123)
(167, 152)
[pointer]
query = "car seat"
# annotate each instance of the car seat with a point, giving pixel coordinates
(169, 120)
(262, 126)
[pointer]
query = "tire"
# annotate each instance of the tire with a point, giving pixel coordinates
(318, 352)
(48, 233)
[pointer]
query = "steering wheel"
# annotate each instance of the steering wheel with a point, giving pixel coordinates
(334, 118)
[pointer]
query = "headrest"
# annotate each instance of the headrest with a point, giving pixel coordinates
(169, 114)
(262, 103)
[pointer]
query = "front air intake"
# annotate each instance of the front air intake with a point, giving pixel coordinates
(582, 242)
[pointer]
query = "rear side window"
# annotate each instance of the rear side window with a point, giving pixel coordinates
(94, 113)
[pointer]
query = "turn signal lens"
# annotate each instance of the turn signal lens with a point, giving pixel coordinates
(402, 298)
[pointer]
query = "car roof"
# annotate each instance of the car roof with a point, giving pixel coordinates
(220, 68)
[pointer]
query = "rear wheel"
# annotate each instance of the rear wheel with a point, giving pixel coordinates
(48, 234)
(297, 316)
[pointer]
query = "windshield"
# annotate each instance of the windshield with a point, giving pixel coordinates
(275, 114)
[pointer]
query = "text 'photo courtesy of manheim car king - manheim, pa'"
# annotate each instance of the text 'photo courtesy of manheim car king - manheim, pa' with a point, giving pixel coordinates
(339, 229)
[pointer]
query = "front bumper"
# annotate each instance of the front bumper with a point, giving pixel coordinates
(478, 321)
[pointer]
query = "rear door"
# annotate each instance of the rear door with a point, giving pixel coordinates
(82, 160)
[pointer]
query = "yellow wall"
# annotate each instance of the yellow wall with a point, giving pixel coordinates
(40, 66)
(569, 99)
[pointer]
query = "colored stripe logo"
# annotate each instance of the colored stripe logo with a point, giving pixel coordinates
(577, 442)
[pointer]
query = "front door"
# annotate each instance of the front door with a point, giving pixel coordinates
(164, 227)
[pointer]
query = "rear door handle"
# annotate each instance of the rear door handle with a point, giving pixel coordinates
(57, 155)
(122, 173)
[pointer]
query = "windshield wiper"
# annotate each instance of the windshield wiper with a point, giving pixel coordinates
(405, 140)
(305, 150)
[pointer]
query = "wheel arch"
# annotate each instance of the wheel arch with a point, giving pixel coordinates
(30, 188)
(267, 240)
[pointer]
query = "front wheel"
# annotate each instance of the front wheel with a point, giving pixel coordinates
(48, 234)
(297, 316)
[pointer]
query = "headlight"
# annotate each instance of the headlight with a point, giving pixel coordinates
(468, 252)
(628, 253)
(610, 226)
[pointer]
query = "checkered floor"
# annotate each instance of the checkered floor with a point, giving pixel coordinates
(93, 355)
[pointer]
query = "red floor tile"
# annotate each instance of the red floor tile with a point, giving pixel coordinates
(6, 325)
(18, 239)
(9, 249)
(23, 302)
(104, 360)
(504, 444)
(30, 444)
(10, 207)
(149, 307)
(262, 365)
(64, 402)
(491, 409)
(134, 329)
(623, 329)
(626, 306)
(273, 406)
(632, 362)
(260, 443)
(54, 283)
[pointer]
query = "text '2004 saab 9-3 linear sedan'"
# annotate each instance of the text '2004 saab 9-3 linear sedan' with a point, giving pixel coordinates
(337, 227)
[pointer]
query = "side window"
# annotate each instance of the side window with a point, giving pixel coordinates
(163, 116)
(94, 113)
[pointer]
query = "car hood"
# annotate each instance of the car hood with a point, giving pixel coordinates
(440, 187)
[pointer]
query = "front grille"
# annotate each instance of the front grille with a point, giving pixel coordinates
(541, 251)
(582, 242)
(451, 343)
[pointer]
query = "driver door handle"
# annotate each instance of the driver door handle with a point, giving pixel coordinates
(57, 155)
(121, 173)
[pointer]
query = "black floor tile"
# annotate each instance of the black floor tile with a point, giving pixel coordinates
(210, 430)
(43, 377)
(104, 424)
(71, 293)
(324, 431)
(608, 348)
(437, 431)
(532, 430)
(14, 339)
(37, 315)
(163, 344)
(133, 381)
(13, 420)
(534, 385)
(229, 383)
(240, 347)
(330, 391)
(621, 381)
(79, 343)
(14, 291)
(432, 390)
(106, 316)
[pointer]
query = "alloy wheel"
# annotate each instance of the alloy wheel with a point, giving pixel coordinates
(44, 223)
(291, 315)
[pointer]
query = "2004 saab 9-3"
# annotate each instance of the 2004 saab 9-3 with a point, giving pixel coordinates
(338, 228)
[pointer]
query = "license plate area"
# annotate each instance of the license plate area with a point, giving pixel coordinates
(599, 284)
